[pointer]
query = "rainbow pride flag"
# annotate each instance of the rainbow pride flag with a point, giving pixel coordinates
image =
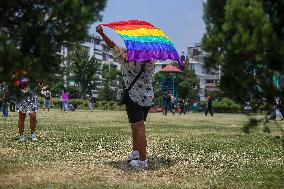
(145, 42)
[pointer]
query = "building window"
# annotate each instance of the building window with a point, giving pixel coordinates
(210, 81)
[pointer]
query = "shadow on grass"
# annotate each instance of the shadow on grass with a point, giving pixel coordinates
(154, 163)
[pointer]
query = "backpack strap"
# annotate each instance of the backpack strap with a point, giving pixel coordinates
(136, 78)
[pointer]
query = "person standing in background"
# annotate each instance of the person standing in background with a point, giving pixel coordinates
(46, 98)
(182, 106)
(209, 106)
(165, 103)
(65, 99)
(26, 102)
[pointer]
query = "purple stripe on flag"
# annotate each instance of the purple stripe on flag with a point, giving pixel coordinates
(137, 45)
(143, 55)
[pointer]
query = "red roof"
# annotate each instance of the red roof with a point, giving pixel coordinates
(170, 68)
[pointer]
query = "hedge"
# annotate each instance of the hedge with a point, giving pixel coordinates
(226, 105)
(84, 104)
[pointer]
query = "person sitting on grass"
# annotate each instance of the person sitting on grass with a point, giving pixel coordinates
(140, 98)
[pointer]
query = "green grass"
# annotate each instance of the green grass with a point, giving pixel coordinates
(88, 150)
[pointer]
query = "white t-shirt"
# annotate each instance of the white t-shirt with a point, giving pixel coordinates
(142, 91)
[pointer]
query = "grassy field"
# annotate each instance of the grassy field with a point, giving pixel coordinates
(88, 150)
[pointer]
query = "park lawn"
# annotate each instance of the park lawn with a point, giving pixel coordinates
(88, 150)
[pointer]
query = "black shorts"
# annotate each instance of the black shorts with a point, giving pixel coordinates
(136, 112)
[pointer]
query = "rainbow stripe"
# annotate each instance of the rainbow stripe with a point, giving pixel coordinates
(145, 42)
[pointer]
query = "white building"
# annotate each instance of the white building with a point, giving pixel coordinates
(195, 57)
(208, 78)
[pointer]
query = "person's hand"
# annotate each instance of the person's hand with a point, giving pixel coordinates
(99, 29)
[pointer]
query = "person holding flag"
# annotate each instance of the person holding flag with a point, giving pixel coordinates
(137, 77)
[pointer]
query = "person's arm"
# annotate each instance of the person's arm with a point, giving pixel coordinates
(117, 52)
(109, 42)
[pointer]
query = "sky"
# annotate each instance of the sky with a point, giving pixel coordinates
(180, 20)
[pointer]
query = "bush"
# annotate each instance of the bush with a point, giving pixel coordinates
(227, 105)
(84, 104)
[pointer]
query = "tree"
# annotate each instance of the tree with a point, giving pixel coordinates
(82, 69)
(188, 84)
(111, 81)
(157, 88)
(244, 39)
(247, 39)
(32, 33)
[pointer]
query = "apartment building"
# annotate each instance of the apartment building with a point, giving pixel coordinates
(209, 79)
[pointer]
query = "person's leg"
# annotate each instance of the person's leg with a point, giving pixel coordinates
(166, 109)
(64, 104)
(5, 109)
(273, 114)
(33, 122)
(211, 111)
(21, 122)
(170, 109)
(278, 113)
(141, 142)
(48, 105)
(44, 104)
(206, 111)
(134, 138)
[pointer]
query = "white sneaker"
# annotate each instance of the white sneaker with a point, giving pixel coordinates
(139, 164)
(33, 137)
(134, 155)
(21, 138)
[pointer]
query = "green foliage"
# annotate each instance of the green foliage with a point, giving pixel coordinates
(32, 33)
(246, 39)
(111, 82)
(157, 87)
(227, 105)
(83, 104)
(82, 69)
(188, 84)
